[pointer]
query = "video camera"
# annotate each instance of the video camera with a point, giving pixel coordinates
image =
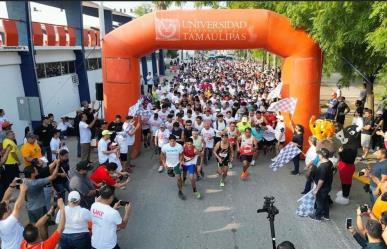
(268, 206)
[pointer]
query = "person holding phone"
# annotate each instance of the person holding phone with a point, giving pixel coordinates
(107, 220)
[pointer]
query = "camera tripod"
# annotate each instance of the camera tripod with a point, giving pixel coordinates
(271, 211)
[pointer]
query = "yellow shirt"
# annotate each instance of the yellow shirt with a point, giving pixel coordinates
(30, 150)
(379, 207)
(242, 127)
(10, 159)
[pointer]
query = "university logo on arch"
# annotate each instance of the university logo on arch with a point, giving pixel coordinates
(167, 29)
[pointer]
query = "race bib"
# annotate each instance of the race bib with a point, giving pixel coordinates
(223, 154)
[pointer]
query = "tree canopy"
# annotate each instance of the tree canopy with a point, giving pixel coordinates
(352, 35)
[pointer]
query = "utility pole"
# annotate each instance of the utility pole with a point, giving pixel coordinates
(101, 22)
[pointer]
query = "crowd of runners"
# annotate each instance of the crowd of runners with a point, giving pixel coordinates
(212, 108)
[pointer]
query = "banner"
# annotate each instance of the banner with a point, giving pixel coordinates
(134, 109)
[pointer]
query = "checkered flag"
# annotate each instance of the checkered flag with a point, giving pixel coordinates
(286, 154)
(284, 105)
(276, 92)
(134, 109)
(306, 204)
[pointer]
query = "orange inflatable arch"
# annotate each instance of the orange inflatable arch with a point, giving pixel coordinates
(205, 30)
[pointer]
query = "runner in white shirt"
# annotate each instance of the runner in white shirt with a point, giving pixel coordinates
(154, 123)
(208, 135)
(198, 124)
(107, 220)
(163, 113)
(161, 139)
(268, 137)
(172, 157)
(11, 231)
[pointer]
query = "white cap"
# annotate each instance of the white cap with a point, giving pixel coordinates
(74, 196)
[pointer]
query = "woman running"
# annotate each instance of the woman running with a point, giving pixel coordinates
(224, 153)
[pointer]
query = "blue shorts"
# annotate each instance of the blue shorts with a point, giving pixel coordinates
(189, 168)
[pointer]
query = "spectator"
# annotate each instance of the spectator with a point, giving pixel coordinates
(107, 220)
(149, 82)
(85, 136)
(366, 133)
(55, 144)
(82, 184)
(61, 183)
(377, 141)
(3, 157)
(11, 164)
(44, 133)
(298, 138)
(32, 240)
(64, 127)
(342, 110)
(106, 174)
(373, 232)
(11, 231)
(324, 186)
(30, 150)
(103, 149)
(115, 126)
(363, 94)
(130, 130)
(76, 233)
(378, 173)
(380, 206)
(358, 120)
(77, 120)
(35, 198)
(311, 163)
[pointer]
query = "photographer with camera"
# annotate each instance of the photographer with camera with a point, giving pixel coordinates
(76, 233)
(369, 237)
(11, 231)
(107, 220)
(324, 186)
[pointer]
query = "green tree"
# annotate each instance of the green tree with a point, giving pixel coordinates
(143, 9)
(352, 35)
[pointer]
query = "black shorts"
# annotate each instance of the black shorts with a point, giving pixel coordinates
(276, 141)
(224, 163)
(123, 157)
(269, 143)
(145, 132)
(247, 158)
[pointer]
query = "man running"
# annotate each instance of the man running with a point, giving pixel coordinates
(233, 134)
(190, 158)
(171, 157)
(224, 153)
(248, 144)
(199, 144)
(161, 138)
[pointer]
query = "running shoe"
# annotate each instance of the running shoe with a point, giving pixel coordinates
(315, 218)
(197, 195)
(161, 168)
(253, 163)
(244, 176)
(202, 173)
(230, 165)
(221, 184)
(181, 195)
(325, 218)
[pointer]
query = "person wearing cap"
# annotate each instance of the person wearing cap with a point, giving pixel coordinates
(324, 178)
(81, 183)
(103, 149)
(85, 135)
(30, 150)
(76, 232)
(172, 157)
(243, 125)
(130, 128)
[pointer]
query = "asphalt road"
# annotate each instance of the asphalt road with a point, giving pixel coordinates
(226, 218)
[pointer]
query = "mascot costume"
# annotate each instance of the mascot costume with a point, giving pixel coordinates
(349, 138)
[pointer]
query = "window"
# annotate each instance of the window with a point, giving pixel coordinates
(92, 64)
(99, 62)
(40, 70)
(53, 69)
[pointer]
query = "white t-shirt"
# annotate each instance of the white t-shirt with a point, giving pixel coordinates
(310, 155)
(129, 128)
(162, 137)
(84, 133)
(54, 145)
(207, 134)
(11, 233)
(76, 220)
(102, 147)
(113, 158)
(105, 221)
(172, 154)
(155, 125)
(268, 134)
(121, 141)
(280, 132)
